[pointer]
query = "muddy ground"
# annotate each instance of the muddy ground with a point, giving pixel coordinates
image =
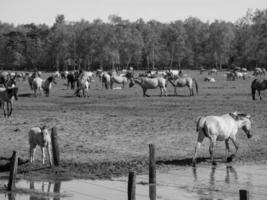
(107, 134)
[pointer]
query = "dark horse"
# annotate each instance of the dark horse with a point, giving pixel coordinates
(259, 85)
(71, 79)
(6, 95)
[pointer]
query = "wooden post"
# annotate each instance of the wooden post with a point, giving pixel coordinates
(243, 195)
(152, 172)
(55, 148)
(131, 186)
(13, 171)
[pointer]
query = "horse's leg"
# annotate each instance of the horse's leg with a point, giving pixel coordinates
(43, 154)
(144, 92)
(200, 139)
(235, 144)
(227, 149)
(165, 91)
(49, 152)
(211, 149)
(10, 108)
(253, 91)
(33, 152)
(175, 91)
(259, 92)
(4, 110)
(161, 91)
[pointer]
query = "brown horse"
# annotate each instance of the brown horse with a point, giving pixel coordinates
(258, 84)
(6, 95)
(182, 81)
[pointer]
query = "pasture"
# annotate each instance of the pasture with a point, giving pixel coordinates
(110, 130)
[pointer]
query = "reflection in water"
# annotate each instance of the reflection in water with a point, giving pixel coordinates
(57, 186)
(11, 196)
(231, 174)
(214, 182)
(230, 170)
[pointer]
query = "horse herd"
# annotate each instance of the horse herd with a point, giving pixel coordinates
(216, 128)
(80, 82)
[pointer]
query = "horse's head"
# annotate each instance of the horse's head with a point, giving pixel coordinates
(45, 135)
(244, 121)
(169, 75)
(52, 79)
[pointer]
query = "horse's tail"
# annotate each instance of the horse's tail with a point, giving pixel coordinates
(196, 85)
(253, 88)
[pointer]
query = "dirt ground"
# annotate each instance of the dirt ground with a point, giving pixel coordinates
(107, 134)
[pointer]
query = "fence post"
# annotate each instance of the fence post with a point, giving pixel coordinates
(13, 171)
(243, 195)
(55, 148)
(152, 172)
(131, 186)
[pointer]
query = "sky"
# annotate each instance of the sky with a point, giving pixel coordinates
(45, 11)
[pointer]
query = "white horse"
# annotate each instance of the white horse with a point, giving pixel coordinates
(212, 71)
(150, 83)
(119, 80)
(209, 79)
(221, 128)
(83, 85)
(41, 137)
(105, 79)
(40, 85)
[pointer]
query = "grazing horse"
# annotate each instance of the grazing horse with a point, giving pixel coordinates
(41, 137)
(221, 128)
(183, 81)
(150, 83)
(6, 95)
(259, 85)
(40, 85)
(119, 80)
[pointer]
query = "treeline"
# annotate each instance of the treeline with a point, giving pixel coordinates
(143, 45)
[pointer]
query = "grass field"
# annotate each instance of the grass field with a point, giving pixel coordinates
(108, 133)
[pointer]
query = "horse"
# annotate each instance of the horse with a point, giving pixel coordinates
(6, 95)
(119, 80)
(150, 83)
(8, 81)
(209, 79)
(40, 85)
(259, 71)
(258, 84)
(182, 81)
(221, 128)
(41, 137)
(32, 77)
(212, 71)
(71, 79)
(83, 84)
(105, 79)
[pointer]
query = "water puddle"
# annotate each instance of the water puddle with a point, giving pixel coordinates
(184, 183)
